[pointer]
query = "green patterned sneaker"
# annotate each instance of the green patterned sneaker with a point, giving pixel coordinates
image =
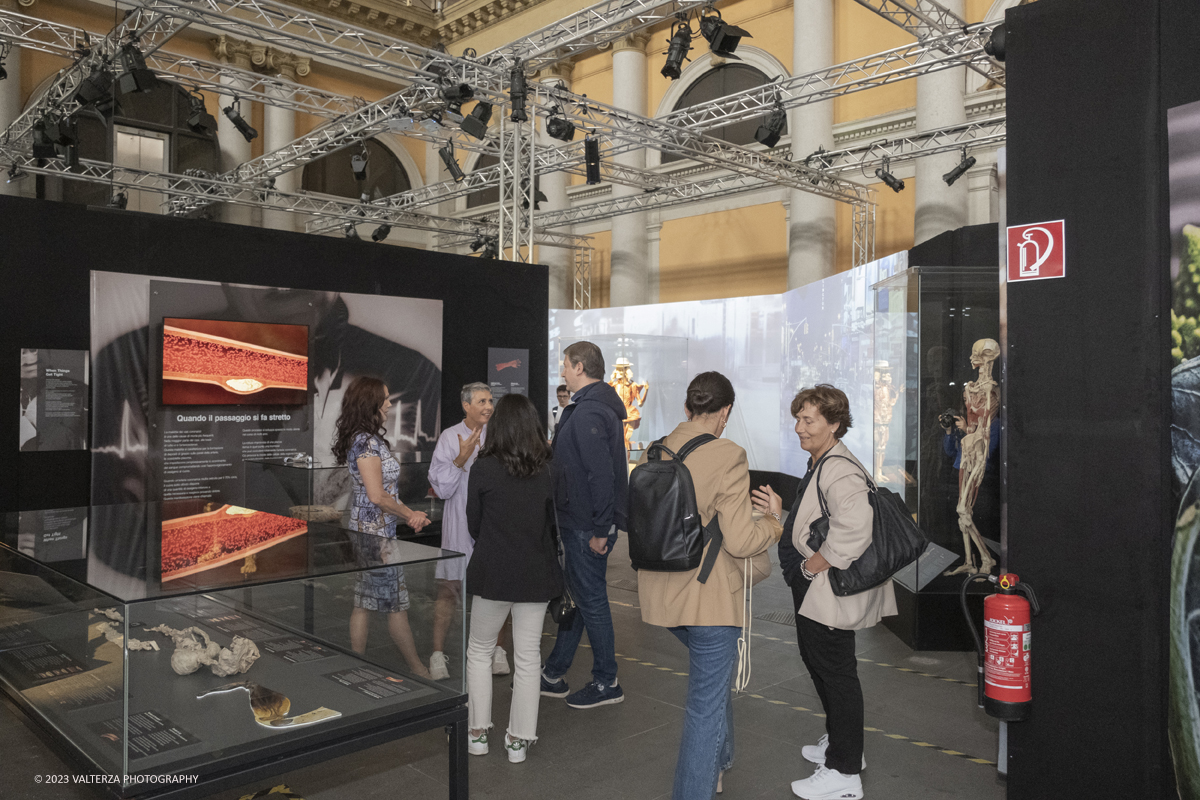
(517, 748)
(477, 745)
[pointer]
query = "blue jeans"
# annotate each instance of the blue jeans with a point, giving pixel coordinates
(586, 577)
(707, 745)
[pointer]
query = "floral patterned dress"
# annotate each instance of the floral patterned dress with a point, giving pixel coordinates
(380, 589)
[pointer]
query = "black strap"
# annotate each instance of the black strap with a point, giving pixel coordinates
(817, 480)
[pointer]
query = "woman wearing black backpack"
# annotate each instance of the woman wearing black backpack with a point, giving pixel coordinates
(708, 617)
(825, 622)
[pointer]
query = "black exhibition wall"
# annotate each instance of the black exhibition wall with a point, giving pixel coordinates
(1087, 402)
(49, 249)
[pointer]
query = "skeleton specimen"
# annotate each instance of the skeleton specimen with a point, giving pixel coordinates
(886, 397)
(982, 399)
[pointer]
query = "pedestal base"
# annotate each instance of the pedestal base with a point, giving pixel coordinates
(933, 620)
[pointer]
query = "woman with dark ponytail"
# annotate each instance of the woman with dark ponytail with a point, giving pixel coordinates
(708, 617)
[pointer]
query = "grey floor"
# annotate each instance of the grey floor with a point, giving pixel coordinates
(924, 736)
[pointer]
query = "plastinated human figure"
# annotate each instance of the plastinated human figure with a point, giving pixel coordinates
(632, 394)
(886, 398)
(982, 400)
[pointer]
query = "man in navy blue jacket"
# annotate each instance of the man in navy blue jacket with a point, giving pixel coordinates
(589, 448)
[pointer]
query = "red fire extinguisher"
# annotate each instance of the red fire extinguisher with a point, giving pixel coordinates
(1006, 652)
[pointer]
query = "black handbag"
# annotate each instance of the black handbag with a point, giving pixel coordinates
(562, 608)
(896, 541)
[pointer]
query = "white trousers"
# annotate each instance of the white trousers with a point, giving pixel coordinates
(487, 617)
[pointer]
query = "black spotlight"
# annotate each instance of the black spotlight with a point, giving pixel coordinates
(821, 161)
(43, 146)
(517, 93)
(476, 123)
(351, 231)
(96, 89)
(447, 154)
(381, 233)
(678, 46)
(960, 170)
(591, 156)
(997, 46)
(15, 173)
(358, 163)
(199, 120)
(894, 183)
(3, 72)
(4, 51)
(559, 127)
(538, 197)
(134, 76)
(457, 93)
(235, 116)
(769, 132)
(722, 37)
(119, 200)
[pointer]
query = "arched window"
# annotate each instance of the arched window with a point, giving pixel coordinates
(489, 195)
(147, 130)
(333, 173)
(723, 80)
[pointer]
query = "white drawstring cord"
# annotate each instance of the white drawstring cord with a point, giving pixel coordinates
(743, 672)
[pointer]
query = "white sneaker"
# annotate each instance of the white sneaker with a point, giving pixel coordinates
(816, 752)
(439, 667)
(828, 784)
(500, 661)
(477, 745)
(517, 748)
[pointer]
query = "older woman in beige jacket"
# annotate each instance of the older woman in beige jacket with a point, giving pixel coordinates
(825, 623)
(707, 617)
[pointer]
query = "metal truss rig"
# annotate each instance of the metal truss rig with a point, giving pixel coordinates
(925, 19)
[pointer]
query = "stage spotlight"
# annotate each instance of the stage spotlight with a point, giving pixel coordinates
(96, 88)
(358, 163)
(235, 116)
(769, 132)
(997, 45)
(559, 127)
(591, 156)
(119, 200)
(538, 197)
(447, 154)
(476, 123)
(894, 183)
(457, 93)
(517, 93)
(821, 160)
(15, 173)
(960, 170)
(199, 120)
(135, 76)
(351, 231)
(678, 46)
(722, 37)
(43, 147)
(381, 233)
(3, 72)
(4, 50)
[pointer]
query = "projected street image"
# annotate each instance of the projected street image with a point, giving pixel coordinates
(218, 362)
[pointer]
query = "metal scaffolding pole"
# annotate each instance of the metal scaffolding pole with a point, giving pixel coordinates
(583, 279)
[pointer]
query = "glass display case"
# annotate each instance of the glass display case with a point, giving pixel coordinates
(301, 487)
(928, 321)
(169, 643)
(650, 373)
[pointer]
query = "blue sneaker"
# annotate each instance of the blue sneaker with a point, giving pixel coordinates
(556, 688)
(597, 694)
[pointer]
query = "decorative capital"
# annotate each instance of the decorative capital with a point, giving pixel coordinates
(233, 51)
(634, 41)
(289, 65)
(559, 72)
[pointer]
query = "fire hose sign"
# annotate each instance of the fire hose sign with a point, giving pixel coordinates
(1007, 665)
(1036, 252)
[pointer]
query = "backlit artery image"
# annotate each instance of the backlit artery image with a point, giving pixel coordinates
(235, 357)
(203, 541)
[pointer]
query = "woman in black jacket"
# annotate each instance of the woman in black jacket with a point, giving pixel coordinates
(514, 569)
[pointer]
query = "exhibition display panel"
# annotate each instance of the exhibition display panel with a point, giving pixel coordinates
(176, 646)
(649, 373)
(936, 415)
(320, 490)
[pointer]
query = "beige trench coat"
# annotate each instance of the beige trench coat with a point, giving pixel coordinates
(722, 480)
(850, 519)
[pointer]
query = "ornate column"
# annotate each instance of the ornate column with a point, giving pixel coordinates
(554, 185)
(940, 207)
(629, 283)
(10, 96)
(280, 125)
(811, 226)
(235, 150)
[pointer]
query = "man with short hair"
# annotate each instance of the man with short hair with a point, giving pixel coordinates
(589, 448)
(564, 400)
(449, 470)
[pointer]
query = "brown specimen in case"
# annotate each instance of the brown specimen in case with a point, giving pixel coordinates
(237, 367)
(204, 541)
